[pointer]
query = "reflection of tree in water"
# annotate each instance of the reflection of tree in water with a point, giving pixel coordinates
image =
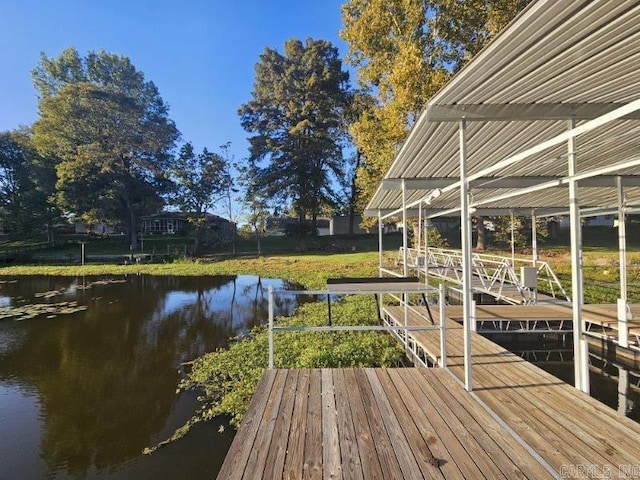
(106, 377)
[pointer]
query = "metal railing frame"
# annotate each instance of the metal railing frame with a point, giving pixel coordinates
(493, 271)
(400, 331)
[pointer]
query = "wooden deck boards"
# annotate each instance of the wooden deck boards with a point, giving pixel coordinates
(369, 424)
(565, 426)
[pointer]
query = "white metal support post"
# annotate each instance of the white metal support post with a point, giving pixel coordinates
(513, 240)
(380, 263)
(580, 346)
(623, 390)
(405, 258)
(379, 243)
(270, 299)
(442, 307)
(534, 248)
(419, 243)
(405, 246)
(426, 252)
(465, 222)
(623, 328)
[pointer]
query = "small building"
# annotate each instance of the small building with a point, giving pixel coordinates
(169, 223)
(165, 223)
(339, 225)
(100, 228)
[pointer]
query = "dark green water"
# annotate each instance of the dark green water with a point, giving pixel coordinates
(81, 395)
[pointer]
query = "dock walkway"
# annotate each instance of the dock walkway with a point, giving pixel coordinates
(600, 319)
(404, 423)
(568, 429)
(519, 421)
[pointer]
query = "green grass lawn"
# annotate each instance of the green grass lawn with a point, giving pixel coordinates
(340, 256)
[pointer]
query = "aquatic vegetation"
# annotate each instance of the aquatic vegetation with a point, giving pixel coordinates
(51, 310)
(227, 378)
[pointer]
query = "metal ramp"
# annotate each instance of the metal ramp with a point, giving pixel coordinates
(493, 275)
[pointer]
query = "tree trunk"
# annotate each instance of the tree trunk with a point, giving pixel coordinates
(354, 193)
(481, 242)
(301, 245)
(133, 230)
(196, 241)
(258, 245)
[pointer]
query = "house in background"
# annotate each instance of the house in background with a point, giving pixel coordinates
(100, 228)
(169, 223)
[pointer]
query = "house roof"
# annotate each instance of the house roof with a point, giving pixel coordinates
(557, 61)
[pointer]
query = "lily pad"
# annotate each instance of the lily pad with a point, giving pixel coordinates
(51, 310)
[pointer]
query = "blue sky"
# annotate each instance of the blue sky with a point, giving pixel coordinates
(201, 54)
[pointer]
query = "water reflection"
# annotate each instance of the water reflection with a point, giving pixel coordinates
(99, 385)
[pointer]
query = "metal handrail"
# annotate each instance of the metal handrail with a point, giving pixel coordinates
(493, 271)
(404, 290)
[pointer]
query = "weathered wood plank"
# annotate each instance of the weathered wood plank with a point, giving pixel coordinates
(275, 460)
(295, 449)
(554, 412)
(489, 434)
(575, 431)
(386, 455)
(331, 460)
(452, 414)
(414, 456)
(258, 455)
(351, 462)
(235, 461)
(471, 459)
(364, 436)
(432, 435)
(312, 468)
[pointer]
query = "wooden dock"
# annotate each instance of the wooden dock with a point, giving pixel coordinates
(404, 423)
(565, 426)
(599, 319)
(519, 422)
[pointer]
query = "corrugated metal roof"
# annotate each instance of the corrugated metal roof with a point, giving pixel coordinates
(557, 58)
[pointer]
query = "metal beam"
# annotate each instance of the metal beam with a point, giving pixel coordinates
(424, 183)
(467, 286)
(380, 243)
(484, 212)
(521, 112)
(405, 268)
(581, 370)
(623, 328)
(552, 142)
(581, 179)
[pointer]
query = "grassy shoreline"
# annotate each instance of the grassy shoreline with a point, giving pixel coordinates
(310, 270)
(600, 268)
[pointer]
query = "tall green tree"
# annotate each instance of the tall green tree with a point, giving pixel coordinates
(254, 201)
(110, 132)
(25, 187)
(405, 50)
(199, 181)
(295, 118)
(228, 188)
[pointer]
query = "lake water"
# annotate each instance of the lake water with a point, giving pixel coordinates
(82, 394)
